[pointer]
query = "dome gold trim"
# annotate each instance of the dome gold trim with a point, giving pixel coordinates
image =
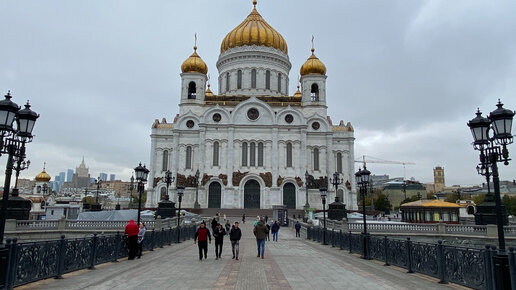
(194, 63)
(313, 66)
(254, 30)
(43, 176)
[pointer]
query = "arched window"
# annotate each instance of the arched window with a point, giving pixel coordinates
(244, 154)
(188, 164)
(260, 154)
(227, 82)
(289, 154)
(252, 155)
(239, 79)
(253, 78)
(216, 153)
(268, 80)
(164, 165)
(192, 90)
(316, 159)
(279, 82)
(314, 93)
(339, 162)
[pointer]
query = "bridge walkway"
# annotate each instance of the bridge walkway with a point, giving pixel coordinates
(290, 263)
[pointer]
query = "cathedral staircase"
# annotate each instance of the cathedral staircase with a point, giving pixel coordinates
(250, 213)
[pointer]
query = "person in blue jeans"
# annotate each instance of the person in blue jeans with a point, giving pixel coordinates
(275, 230)
(260, 232)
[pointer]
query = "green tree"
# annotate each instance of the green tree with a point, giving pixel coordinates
(410, 199)
(382, 203)
(89, 200)
(479, 198)
(510, 204)
(451, 198)
(430, 196)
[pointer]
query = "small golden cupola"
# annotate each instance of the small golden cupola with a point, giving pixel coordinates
(194, 64)
(313, 66)
(254, 30)
(208, 93)
(43, 176)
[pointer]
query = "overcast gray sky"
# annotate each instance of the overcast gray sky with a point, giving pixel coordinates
(407, 74)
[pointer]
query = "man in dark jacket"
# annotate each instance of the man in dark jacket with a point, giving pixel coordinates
(214, 223)
(260, 231)
(202, 234)
(298, 228)
(275, 229)
(219, 234)
(235, 234)
(131, 230)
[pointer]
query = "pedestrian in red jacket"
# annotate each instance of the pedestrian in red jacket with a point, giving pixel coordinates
(202, 234)
(131, 230)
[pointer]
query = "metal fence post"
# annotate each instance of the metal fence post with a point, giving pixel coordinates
(117, 246)
(409, 256)
(93, 251)
(153, 237)
(12, 263)
(341, 240)
(61, 258)
(350, 243)
(512, 266)
(488, 264)
(169, 239)
(161, 234)
(386, 251)
(441, 263)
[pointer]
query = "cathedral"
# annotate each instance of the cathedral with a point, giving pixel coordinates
(252, 145)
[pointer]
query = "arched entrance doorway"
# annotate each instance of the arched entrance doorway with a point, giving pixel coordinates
(214, 195)
(289, 195)
(252, 194)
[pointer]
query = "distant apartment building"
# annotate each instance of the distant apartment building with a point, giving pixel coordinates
(111, 177)
(69, 175)
(103, 176)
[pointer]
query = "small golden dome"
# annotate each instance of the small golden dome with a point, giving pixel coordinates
(254, 30)
(208, 92)
(313, 66)
(194, 64)
(298, 92)
(43, 176)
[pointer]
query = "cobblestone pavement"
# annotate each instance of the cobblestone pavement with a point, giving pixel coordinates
(290, 263)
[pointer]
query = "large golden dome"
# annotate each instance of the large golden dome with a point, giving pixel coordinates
(194, 64)
(313, 66)
(254, 30)
(43, 176)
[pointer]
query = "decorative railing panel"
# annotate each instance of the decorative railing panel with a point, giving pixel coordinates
(424, 258)
(36, 261)
(377, 248)
(397, 254)
(465, 266)
(77, 254)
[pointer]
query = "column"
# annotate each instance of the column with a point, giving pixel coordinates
(302, 155)
(330, 167)
(230, 156)
(274, 154)
(154, 167)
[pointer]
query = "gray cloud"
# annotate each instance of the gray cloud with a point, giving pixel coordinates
(407, 74)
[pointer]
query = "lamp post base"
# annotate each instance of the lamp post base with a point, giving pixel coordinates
(365, 246)
(502, 274)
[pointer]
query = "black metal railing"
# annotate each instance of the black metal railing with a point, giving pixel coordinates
(29, 262)
(469, 267)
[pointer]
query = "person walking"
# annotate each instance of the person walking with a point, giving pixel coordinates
(256, 221)
(219, 234)
(275, 230)
(268, 237)
(298, 228)
(131, 230)
(141, 235)
(214, 223)
(266, 219)
(243, 218)
(228, 226)
(202, 234)
(235, 234)
(260, 231)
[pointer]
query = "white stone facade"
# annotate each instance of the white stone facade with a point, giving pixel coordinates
(253, 127)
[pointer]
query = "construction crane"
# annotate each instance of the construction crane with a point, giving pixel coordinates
(383, 161)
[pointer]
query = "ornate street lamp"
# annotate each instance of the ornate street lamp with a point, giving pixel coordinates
(131, 188)
(493, 149)
(336, 181)
(168, 181)
(180, 191)
(324, 191)
(196, 204)
(141, 173)
(307, 205)
(98, 182)
(363, 179)
(12, 143)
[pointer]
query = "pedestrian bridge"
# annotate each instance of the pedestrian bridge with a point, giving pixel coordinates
(290, 263)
